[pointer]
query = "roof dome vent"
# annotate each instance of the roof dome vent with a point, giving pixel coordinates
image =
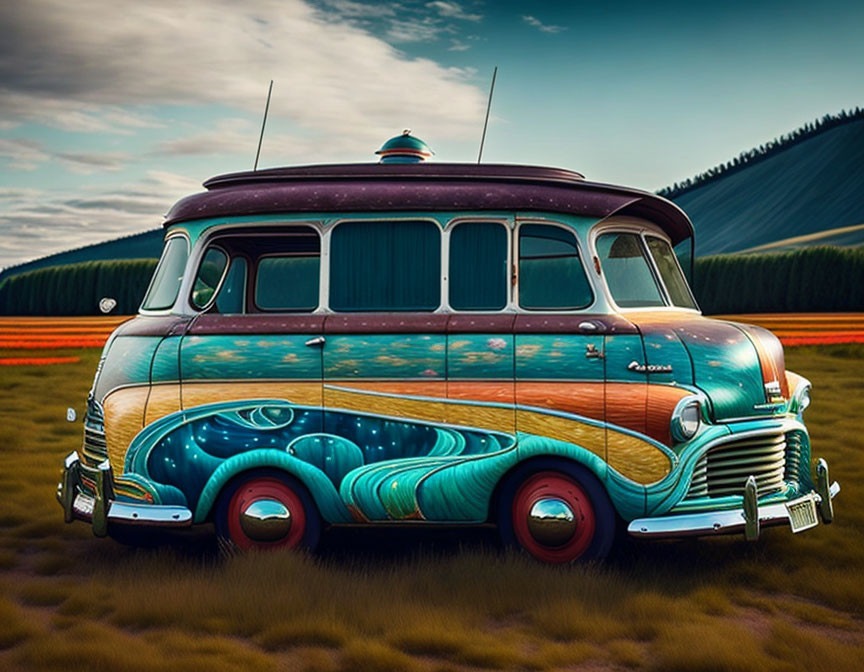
(404, 148)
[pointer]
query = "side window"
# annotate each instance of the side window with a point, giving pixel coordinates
(385, 266)
(627, 270)
(287, 281)
(551, 276)
(478, 266)
(209, 276)
(232, 295)
(169, 273)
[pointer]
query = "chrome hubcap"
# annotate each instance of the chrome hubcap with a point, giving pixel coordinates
(266, 520)
(551, 522)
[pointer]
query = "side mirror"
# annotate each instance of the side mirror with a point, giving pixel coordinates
(107, 304)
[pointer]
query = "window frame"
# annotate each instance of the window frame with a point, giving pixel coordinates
(180, 233)
(240, 229)
(588, 308)
(327, 242)
(509, 225)
(641, 228)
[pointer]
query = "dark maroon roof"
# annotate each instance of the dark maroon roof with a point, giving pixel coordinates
(372, 187)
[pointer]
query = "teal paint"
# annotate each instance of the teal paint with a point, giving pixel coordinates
(250, 357)
(385, 356)
(557, 357)
(127, 362)
(481, 357)
(166, 361)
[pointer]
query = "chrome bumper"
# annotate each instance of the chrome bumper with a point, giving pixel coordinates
(101, 507)
(749, 519)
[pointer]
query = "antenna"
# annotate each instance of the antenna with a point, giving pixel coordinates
(263, 124)
(488, 107)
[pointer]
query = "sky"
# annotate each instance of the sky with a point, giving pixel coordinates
(111, 110)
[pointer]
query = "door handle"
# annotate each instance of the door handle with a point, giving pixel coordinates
(318, 340)
(591, 352)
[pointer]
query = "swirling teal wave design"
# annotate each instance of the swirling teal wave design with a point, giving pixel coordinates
(384, 468)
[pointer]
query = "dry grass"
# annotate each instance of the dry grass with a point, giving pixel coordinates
(399, 601)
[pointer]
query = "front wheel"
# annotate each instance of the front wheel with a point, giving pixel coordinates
(266, 510)
(558, 515)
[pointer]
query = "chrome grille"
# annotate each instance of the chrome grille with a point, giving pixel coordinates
(95, 447)
(723, 469)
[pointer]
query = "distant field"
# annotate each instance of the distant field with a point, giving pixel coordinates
(405, 601)
(45, 333)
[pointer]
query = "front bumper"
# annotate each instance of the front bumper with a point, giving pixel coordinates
(749, 519)
(97, 505)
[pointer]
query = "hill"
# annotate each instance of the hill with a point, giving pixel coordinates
(807, 188)
(147, 245)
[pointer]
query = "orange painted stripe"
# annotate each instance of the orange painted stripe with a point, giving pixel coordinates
(37, 361)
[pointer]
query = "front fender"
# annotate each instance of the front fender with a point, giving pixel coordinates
(320, 487)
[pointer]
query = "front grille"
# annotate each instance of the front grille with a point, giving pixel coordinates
(95, 448)
(723, 470)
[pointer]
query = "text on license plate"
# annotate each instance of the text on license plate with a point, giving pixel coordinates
(802, 514)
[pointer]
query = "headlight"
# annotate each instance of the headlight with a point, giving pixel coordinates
(802, 399)
(686, 419)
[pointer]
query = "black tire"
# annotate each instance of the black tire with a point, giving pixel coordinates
(222, 516)
(605, 517)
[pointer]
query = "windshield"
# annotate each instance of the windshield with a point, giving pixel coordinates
(670, 273)
(169, 272)
(627, 270)
(638, 269)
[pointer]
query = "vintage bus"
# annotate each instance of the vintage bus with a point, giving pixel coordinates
(420, 343)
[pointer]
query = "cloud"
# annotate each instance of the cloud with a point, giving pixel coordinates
(534, 22)
(36, 222)
(96, 65)
(414, 30)
(23, 154)
(453, 10)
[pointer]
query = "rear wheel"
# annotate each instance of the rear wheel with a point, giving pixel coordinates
(559, 514)
(266, 510)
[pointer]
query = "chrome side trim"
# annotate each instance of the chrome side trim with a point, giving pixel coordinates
(149, 514)
(713, 522)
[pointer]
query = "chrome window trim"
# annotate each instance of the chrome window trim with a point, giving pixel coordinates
(590, 308)
(331, 225)
(509, 223)
(639, 227)
(236, 229)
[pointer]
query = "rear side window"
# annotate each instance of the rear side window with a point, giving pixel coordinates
(551, 276)
(168, 276)
(287, 280)
(627, 270)
(478, 266)
(385, 266)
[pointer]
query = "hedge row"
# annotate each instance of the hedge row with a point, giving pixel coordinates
(76, 289)
(817, 279)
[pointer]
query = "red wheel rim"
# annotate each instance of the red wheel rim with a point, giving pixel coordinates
(266, 489)
(552, 485)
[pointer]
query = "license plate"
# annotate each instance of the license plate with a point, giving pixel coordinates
(802, 513)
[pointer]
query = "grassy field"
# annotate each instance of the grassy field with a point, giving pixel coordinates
(402, 602)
